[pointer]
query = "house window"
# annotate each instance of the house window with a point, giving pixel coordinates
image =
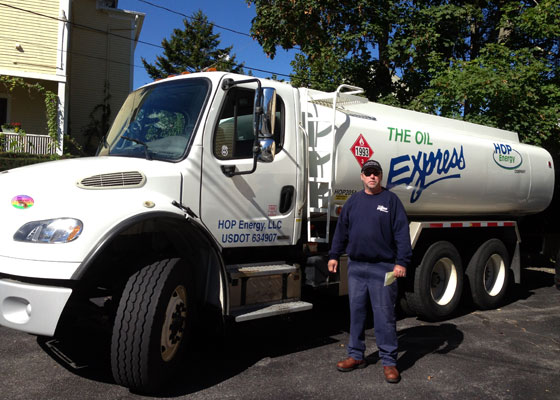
(233, 136)
(3, 110)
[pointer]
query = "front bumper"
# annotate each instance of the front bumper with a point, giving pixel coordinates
(31, 308)
(37, 269)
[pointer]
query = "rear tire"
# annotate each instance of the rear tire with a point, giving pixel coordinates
(151, 326)
(438, 282)
(402, 305)
(488, 274)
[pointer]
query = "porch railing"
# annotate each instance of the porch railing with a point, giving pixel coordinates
(28, 143)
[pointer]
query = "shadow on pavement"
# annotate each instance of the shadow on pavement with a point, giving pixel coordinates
(250, 342)
(531, 280)
(82, 351)
(419, 341)
(86, 352)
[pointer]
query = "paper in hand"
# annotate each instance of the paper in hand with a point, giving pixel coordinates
(389, 278)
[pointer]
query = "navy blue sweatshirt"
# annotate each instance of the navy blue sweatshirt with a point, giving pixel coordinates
(373, 228)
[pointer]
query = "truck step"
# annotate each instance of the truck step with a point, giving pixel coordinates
(319, 180)
(317, 239)
(251, 270)
(250, 313)
(318, 209)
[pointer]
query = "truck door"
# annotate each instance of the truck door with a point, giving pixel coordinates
(256, 209)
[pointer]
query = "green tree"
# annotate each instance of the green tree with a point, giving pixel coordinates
(505, 75)
(336, 40)
(192, 49)
(491, 62)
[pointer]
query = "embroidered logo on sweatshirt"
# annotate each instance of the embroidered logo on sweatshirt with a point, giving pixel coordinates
(382, 208)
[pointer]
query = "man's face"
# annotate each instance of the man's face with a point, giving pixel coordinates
(372, 180)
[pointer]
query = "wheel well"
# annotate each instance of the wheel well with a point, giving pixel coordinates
(144, 242)
(466, 240)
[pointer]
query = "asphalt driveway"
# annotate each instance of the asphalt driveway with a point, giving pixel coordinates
(509, 353)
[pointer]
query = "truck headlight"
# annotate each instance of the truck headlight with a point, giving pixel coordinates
(60, 230)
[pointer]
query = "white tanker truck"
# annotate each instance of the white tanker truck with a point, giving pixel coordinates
(214, 196)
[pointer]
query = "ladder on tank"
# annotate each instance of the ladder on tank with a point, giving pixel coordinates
(320, 178)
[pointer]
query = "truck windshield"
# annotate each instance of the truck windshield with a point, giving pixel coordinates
(157, 122)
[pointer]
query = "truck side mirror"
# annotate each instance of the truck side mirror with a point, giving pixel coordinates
(264, 118)
(264, 122)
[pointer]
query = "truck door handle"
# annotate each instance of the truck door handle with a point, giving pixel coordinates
(286, 197)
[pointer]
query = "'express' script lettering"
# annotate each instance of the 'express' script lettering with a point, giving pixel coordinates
(414, 170)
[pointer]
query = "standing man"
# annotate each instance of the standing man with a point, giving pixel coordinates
(373, 230)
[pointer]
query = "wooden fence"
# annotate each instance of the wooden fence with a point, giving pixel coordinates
(27, 143)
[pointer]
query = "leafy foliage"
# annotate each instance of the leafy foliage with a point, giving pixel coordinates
(496, 62)
(504, 75)
(195, 48)
(98, 125)
(51, 100)
(501, 88)
(15, 160)
(336, 39)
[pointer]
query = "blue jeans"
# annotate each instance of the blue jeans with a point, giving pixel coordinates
(365, 280)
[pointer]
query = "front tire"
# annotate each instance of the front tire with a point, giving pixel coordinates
(151, 326)
(438, 282)
(488, 274)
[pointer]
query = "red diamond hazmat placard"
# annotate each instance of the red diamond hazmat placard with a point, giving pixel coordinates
(361, 150)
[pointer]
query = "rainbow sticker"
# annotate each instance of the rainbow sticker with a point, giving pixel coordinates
(22, 201)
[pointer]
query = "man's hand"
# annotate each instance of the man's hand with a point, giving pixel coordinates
(399, 271)
(333, 265)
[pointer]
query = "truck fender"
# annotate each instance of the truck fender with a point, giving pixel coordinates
(180, 222)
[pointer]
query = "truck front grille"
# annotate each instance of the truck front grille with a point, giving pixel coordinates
(113, 180)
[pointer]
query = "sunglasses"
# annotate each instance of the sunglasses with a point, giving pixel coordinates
(368, 172)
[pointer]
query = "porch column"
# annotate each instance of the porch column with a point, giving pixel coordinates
(62, 117)
(62, 71)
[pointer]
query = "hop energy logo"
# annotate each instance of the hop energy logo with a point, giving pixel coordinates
(507, 157)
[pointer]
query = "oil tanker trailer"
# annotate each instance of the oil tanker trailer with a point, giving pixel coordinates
(463, 185)
(213, 196)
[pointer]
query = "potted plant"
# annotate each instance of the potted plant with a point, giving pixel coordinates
(11, 127)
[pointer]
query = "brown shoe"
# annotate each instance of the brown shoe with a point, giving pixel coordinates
(350, 364)
(392, 374)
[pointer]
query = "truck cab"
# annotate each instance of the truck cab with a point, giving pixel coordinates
(160, 211)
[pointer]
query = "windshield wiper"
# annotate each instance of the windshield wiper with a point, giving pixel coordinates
(141, 143)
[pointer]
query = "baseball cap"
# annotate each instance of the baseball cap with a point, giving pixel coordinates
(371, 164)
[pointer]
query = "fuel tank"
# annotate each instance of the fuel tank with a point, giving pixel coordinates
(438, 167)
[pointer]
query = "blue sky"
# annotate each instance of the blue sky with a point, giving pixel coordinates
(232, 14)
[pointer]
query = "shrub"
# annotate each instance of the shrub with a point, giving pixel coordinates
(14, 160)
